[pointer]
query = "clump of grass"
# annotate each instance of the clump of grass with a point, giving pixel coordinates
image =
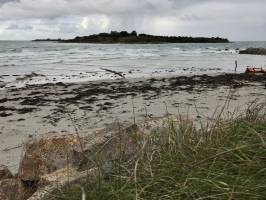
(182, 162)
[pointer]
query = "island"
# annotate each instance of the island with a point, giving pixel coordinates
(134, 38)
(47, 40)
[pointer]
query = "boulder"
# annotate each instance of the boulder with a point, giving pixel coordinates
(15, 189)
(44, 156)
(9, 189)
(5, 173)
(47, 155)
(30, 168)
(63, 159)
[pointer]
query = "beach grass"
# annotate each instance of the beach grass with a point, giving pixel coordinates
(224, 161)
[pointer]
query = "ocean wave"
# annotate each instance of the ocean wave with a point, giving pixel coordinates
(17, 50)
(7, 65)
(23, 58)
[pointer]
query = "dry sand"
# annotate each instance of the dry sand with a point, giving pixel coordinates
(40, 110)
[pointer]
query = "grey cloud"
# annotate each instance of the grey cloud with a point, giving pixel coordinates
(12, 27)
(17, 27)
(7, 1)
(68, 18)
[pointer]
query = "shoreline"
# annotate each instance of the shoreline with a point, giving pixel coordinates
(37, 79)
(42, 110)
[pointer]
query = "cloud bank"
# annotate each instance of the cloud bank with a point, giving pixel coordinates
(234, 19)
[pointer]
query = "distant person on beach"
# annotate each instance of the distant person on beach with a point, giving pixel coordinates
(235, 65)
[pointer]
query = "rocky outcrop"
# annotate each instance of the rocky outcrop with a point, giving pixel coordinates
(9, 189)
(53, 161)
(15, 189)
(61, 178)
(47, 155)
(254, 51)
(5, 173)
(39, 158)
(44, 156)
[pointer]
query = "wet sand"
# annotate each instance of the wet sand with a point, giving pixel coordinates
(40, 110)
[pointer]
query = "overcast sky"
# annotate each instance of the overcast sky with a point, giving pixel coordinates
(233, 19)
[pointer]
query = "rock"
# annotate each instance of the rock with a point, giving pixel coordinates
(9, 189)
(254, 51)
(5, 173)
(26, 189)
(29, 168)
(59, 160)
(60, 179)
(44, 156)
(15, 189)
(47, 155)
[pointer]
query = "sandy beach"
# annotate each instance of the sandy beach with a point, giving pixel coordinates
(132, 99)
(52, 109)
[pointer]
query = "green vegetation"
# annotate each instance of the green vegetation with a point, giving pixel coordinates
(226, 160)
(134, 38)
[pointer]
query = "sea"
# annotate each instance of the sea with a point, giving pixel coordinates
(26, 62)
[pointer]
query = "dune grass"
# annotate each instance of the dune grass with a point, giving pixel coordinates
(226, 161)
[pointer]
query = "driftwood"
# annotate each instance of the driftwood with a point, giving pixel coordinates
(114, 72)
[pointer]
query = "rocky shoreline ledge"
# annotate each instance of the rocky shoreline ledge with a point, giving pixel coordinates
(253, 51)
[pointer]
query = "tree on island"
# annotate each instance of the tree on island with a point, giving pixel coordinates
(135, 38)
